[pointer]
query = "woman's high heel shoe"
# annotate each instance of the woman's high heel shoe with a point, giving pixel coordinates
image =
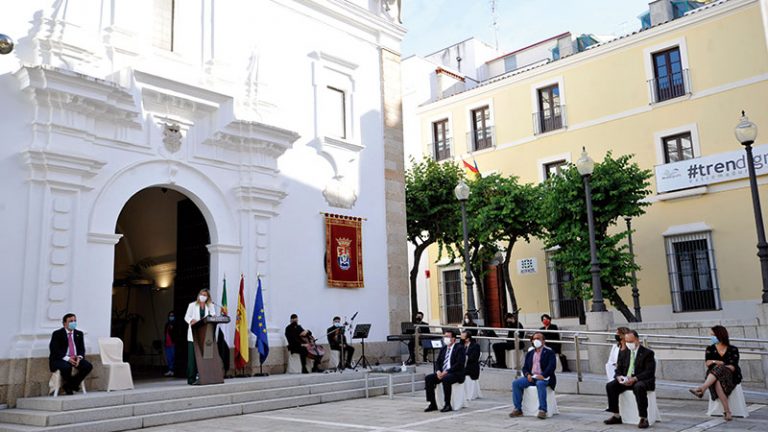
(727, 416)
(699, 393)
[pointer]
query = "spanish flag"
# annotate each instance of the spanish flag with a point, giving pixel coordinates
(241, 330)
(472, 168)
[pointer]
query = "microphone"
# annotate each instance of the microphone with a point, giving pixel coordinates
(353, 316)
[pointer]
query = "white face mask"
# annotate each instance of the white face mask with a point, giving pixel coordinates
(631, 346)
(537, 343)
(447, 340)
(203, 298)
(466, 320)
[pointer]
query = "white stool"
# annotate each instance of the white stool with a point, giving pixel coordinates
(736, 402)
(531, 402)
(54, 384)
(333, 361)
(558, 364)
(457, 396)
(510, 358)
(471, 389)
(294, 364)
(628, 408)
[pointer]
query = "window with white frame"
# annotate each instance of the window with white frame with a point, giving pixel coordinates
(164, 15)
(482, 137)
(335, 110)
(554, 168)
(678, 147)
(692, 272)
(441, 142)
(561, 303)
(453, 302)
(666, 70)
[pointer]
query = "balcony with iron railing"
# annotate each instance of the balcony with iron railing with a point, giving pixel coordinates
(441, 150)
(668, 87)
(481, 139)
(548, 121)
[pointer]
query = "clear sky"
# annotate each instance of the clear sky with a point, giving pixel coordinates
(435, 24)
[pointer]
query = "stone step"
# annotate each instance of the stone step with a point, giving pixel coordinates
(166, 410)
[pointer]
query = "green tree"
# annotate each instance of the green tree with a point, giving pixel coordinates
(431, 209)
(618, 189)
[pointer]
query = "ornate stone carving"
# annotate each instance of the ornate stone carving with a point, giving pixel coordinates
(172, 137)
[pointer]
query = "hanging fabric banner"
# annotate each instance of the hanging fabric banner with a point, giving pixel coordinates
(343, 251)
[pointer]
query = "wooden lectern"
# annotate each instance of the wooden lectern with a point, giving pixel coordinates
(210, 369)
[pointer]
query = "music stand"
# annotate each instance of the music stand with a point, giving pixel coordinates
(361, 332)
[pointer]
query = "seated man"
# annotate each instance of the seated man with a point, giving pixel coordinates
(337, 341)
(67, 351)
(539, 371)
(296, 337)
(635, 370)
(500, 348)
(472, 352)
(449, 370)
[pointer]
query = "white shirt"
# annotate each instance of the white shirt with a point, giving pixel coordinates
(193, 312)
(610, 366)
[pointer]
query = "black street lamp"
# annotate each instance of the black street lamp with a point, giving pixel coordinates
(746, 132)
(635, 292)
(462, 194)
(585, 165)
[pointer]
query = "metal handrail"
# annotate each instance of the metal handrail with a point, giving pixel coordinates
(579, 338)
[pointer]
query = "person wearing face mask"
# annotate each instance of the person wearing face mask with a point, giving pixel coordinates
(298, 338)
(500, 348)
(547, 324)
(418, 319)
(610, 365)
(539, 371)
(449, 370)
(67, 351)
(170, 344)
(337, 341)
(197, 310)
(472, 354)
(723, 371)
(469, 322)
(636, 371)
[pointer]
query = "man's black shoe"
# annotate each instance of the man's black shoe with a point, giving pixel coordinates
(447, 408)
(431, 407)
(613, 420)
(643, 423)
(68, 390)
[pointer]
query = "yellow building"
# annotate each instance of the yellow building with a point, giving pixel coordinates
(671, 94)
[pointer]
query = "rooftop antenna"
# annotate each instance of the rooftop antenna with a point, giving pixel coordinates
(495, 23)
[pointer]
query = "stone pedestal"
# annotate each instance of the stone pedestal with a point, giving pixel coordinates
(762, 333)
(598, 355)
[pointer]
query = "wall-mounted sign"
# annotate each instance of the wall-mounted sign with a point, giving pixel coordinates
(527, 266)
(717, 168)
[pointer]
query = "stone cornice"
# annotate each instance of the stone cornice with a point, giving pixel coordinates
(257, 138)
(224, 248)
(59, 167)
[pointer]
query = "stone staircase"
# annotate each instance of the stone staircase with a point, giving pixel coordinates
(167, 402)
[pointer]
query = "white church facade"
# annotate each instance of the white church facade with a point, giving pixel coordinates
(151, 148)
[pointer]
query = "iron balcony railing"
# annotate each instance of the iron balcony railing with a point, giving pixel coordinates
(668, 87)
(481, 139)
(580, 339)
(549, 120)
(441, 150)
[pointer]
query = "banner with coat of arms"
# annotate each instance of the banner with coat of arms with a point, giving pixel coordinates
(343, 251)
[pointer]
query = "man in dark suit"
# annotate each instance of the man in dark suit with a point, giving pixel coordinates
(635, 370)
(449, 370)
(337, 341)
(557, 347)
(539, 371)
(295, 334)
(472, 353)
(67, 351)
(500, 349)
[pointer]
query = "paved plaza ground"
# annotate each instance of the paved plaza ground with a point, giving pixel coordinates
(405, 414)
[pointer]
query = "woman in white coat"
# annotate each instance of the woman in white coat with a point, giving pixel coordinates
(610, 366)
(197, 310)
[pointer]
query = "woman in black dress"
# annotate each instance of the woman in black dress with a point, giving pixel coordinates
(723, 372)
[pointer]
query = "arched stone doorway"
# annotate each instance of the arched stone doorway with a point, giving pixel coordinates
(161, 261)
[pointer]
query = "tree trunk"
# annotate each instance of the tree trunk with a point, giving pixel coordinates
(417, 252)
(477, 274)
(618, 303)
(508, 278)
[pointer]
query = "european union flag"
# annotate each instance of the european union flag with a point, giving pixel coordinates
(259, 326)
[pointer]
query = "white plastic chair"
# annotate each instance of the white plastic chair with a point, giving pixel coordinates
(531, 402)
(294, 363)
(118, 372)
(736, 402)
(629, 412)
(333, 361)
(458, 399)
(472, 389)
(54, 384)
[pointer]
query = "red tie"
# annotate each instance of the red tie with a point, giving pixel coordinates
(71, 345)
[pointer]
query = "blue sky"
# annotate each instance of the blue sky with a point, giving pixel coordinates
(435, 24)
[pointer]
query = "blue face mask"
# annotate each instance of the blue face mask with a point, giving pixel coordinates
(170, 318)
(72, 325)
(714, 339)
